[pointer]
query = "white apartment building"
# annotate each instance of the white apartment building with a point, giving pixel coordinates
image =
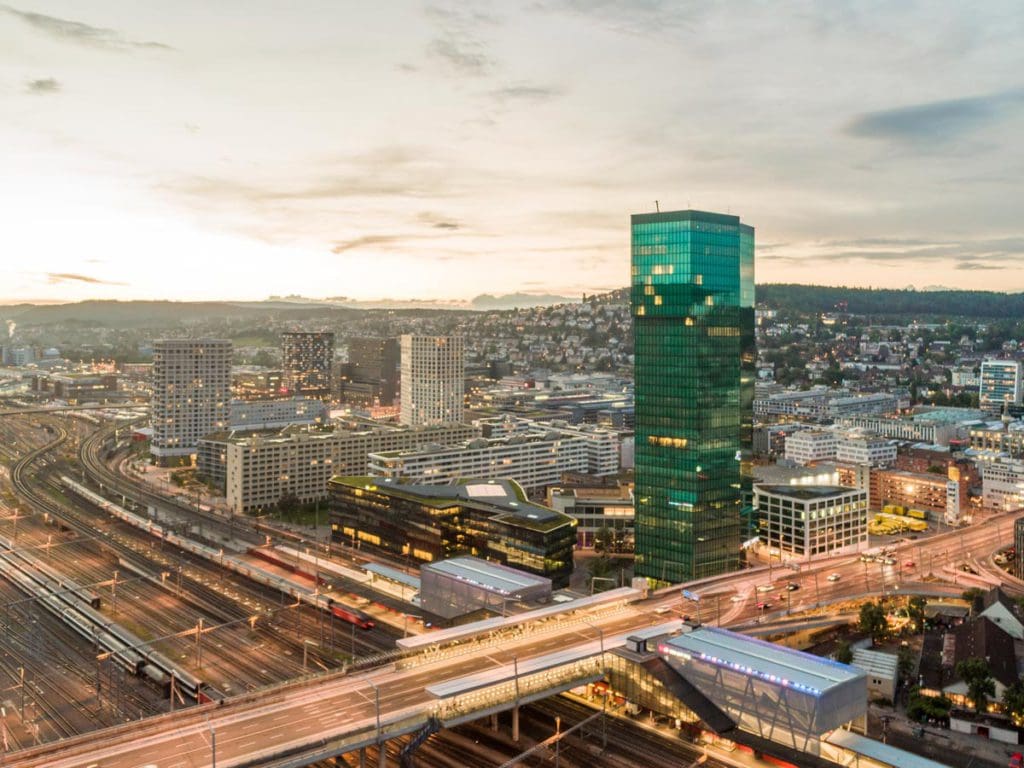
(811, 445)
(964, 377)
(604, 454)
(433, 380)
(259, 469)
(866, 450)
(902, 429)
(534, 460)
(275, 414)
(1002, 485)
(191, 393)
(803, 521)
(1000, 383)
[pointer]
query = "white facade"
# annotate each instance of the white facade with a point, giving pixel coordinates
(1000, 383)
(805, 521)
(810, 446)
(191, 392)
(259, 470)
(274, 414)
(902, 429)
(433, 380)
(1002, 484)
(964, 377)
(533, 460)
(866, 450)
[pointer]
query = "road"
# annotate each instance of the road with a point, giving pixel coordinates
(317, 710)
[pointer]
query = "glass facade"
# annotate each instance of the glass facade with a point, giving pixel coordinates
(428, 528)
(692, 292)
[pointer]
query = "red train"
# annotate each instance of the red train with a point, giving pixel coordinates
(351, 615)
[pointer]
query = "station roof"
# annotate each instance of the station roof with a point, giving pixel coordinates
(393, 574)
(490, 576)
(884, 754)
(761, 659)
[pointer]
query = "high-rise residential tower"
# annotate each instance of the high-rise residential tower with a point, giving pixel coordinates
(433, 379)
(191, 393)
(1000, 384)
(375, 361)
(692, 292)
(308, 360)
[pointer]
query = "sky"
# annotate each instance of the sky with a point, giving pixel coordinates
(202, 150)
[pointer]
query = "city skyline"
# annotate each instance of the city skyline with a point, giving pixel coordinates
(436, 152)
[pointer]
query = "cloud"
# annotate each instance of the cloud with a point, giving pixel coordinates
(78, 32)
(645, 18)
(359, 242)
(978, 254)
(43, 86)
(524, 92)
(56, 278)
(936, 121)
(464, 57)
(459, 43)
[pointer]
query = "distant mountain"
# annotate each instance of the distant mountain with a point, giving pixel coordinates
(486, 301)
(151, 314)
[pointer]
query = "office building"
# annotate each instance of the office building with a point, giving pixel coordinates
(191, 394)
(692, 299)
(433, 380)
(257, 469)
(802, 521)
(811, 446)
(492, 520)
(1002, 484)
(307, 359)
(855, 449)
(375, 362)
(599, 511)
(1000, 384)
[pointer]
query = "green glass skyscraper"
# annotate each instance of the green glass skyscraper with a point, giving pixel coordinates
(693, 318)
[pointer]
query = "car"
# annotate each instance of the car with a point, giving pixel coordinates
(792, 586)
(834, 577)
(909, 564)
(765, 587)
(765, 604)
(738, 598)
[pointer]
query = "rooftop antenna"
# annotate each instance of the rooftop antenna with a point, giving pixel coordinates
(657, 207)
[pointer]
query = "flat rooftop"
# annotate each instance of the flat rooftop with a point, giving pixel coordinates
(490, 576)
(770, 662)
(805, 492)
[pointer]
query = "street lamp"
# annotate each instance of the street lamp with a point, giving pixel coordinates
(213, 744)
(376, 695)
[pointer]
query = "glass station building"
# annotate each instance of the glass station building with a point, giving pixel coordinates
(692, 295)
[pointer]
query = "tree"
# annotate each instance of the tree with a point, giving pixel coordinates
(288, 504)
(1013, 700)
(905, 662)
(915, 610)
(604, 539)
(873, 622)
(844, 654)
(978, 678)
